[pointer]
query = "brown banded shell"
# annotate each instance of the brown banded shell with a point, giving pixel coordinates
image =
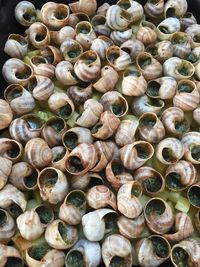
(180, 175)
(88, 66)
(151, 180)
(120, 37)
(41, 67)
(161, 51)
(55, 15)
(10, 149)
(108, 80)
(38, 154)
(6, 114)
(187, 20)
(53, 130)
(16, 46)
(191, 144)
(8, 227)
(81, 159)
(107, 126)
(39, 35)
(51, 54)
(154, 9)
(117, 58)
(100, 26)
(85, 34)
(147, 33)
(20, 100)
(24, 176)
(73, 207)
(128, 199)
(102, 9)
(53, 185)
(61, 104)
(64, 73)
(169, 150)
(5, 170)
(100, 196)
(151, 128)
(133, 47)
(80, 93)
(117, 175)
(87, 180)
(159, 215)
(84, 6)
(136, 154)
(60, 154)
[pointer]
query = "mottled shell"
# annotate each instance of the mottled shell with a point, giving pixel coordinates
(191, 141)
(108, 80)
(167, 27)
(91, 114)
(38, 154)
(169, 150)
(8, 228)
(64, 73)
(187, 20)
(81, 159)
(39, 35)
(88, 66)
(5, 170)
(86, 181)
(147, 33)
(10, 149)
(6, 114)
(60, 154)
(117, 246)
(118, 58)
(175, 8)
(133, 47)
(25, 13)
(53, 185)
(159, 215)
(100, 196)
(154, 9)
(16, 46)
(136, 154)
(84, 6)
(15, 71)
(164, 50)
(80, 93)
(20, 100)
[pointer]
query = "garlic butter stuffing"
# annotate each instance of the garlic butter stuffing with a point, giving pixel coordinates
(100, 141)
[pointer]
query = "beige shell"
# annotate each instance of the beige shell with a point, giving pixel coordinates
(88, 66)
(5, 170)
(164, 50)
(126, 132)
(85, 34)
(86, 181)
(180, 175)
(64, 73)
(117, 175)
(16, 46)
(133, 47)
(61, 104)
(91, 113)
(61, 236)
(120, 37)
(41, 67)
(58, 37)
(149, 67)
(41, 87)
(159, 215)
(15, 71)
(193, 31)
(80, 93)
(169, 150)
(134, 8)
(131, 228)
(133, 83)
(53, 185)
(197, 70)
(167, 27)
(147, 33)
(175, 8)
(100, 196)
(71, 51)
(75, 18)
(196, 115)
(189, 247)
(102, 10)
(51, 54)
(84, 6)
(108, 80)
(106, 151)
(38, 153)
(117, 58)
(148, 254)
(26, 127)
(181, 44)
(81, 159)
(183, 226)
(136, 154)
(152, 181)
(53, 131)
(73, 207)
(29, 225)
(55, 15)
(94, 223)
(7, 252)
(20, 100)
(39, 35)
(10, 149)
(100, 45)
(8, 228)
(6, 114)
(151, 128)
(107, 126)
(24, 176)
(154, 9)
(128, 202)
(115, 246)
(162, 88)
(25, 13)
(174, 121)
(100, 26)
(191, 141)
(60, 154)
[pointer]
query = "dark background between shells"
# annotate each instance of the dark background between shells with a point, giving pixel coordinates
(9, 25)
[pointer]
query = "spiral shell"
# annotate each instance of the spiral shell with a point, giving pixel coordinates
(9, 252)
(147, 33)
(133, 47)
(5, 170)
(167, 27)
(25, 13)
(134, 8)
(100, 26)
(58, 37)
(85, 34)
(64, 73)
(154, 9)
(10, 149)
(51, 54)
(187, 20)
(120, 37)
(77, 17)
(84, 6)
(196, 115)
(193, 195)
(16, 46)
(6, 114)
(39, 35)
(87, 180)
(71, 51)
(102, 10)
(191, 141)
(117, 58)
(80, 93)
(100, 45)
(175, 8)
(8, 228)
(181, 45)
(41, 67)
(60, 154)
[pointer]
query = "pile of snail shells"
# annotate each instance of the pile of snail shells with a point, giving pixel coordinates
(100, 119)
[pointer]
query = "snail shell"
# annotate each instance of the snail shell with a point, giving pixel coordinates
(167, 27)
(60, 154)
(25, 13)
(193, 31)
(41, 67)
(5, 170)
(85, 34)
(58, 37)
(71, 51)
(10, 149)
(84, 6)
(102, 10)
(120, 37)
(134, 8)
(100, 45)
(191, 141)
(193, 195)
(133, 47)
(181, 45)
(64, 73)
(16, 46)
(100, 26)
(51, 54)
(87, 180)
(6, 114)
(9, 252)
(175, 8)
(75, 18)
(147, 33)
(154, 9)
(117, 58)
(39, 35)
(8, 228)
(80, 93)
(187, 20)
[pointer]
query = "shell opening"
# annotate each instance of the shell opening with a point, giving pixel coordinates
(75, 259)
(14, 210)
(119, 108)
(39, 37)
(185, 69)
(13, 92)
(20, 39)
(153, 184)
(48, 178)
(24, 74)
(63, 230)
(70, 140)
(14, 262)
(111, 223)
(98, 20)
(48, 55)
(57, 124)
(171, 12)
(164, 29)
(75, 164)
(173, 181)
(180, 256)
(96, 128)
(153, 89)
(45, 213)
(124, 4)
(83, 27)
(65, 111)
(154, 2)
(34, 122)
(144, 62)
(134, 73)
(195, 152)
(31, 180)
(192, 58)
(136, 190)
(38, 252)
(155, 102)
(95, 181)
(185, 87)
(37, 60)
(76, 198)
(168, 155)
(32, 83)
(143, 150)
(196, 38)
(59, 154)
(117, 262)
(181, 126)
(74, 51)
(3, 218)
(14, 150)
(125, 15)
(155, 207)
(160, 246)
(30, 16)
(148, 120)
(117, 168)
(194, 195)
(176, 39)
(61, 13)
(152, 49)
(81, 17)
